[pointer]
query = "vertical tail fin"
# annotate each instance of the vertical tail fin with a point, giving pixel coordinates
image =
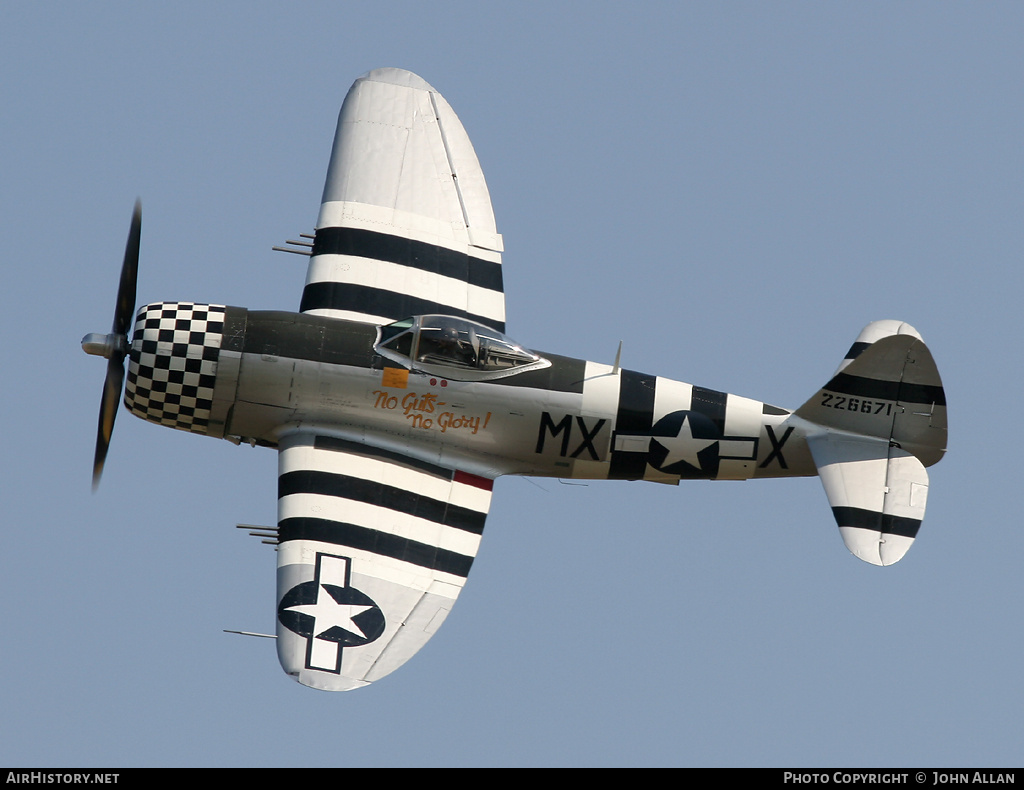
(876, 425)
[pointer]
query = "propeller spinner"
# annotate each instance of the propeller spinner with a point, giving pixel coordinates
(114, 346)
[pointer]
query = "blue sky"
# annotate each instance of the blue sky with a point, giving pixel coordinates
(733, 190)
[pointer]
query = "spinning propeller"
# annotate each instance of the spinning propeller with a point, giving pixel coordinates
(114, 346)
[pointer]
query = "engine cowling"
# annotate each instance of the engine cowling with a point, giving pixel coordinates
(174, 375)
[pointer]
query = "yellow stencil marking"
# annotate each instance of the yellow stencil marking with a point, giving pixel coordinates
(395, 377)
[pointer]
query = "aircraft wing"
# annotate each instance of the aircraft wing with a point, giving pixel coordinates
(374, 548)
(406, 225)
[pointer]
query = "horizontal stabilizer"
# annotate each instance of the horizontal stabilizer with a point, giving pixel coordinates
(878, 493)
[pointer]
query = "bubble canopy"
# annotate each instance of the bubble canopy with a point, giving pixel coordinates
(455, 348)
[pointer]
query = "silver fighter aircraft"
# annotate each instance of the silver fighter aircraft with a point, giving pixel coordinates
(394, 398)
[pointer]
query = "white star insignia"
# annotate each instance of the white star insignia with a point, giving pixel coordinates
(328, 613)
(683, 446)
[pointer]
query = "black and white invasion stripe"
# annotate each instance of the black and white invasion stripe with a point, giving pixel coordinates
(362, 274)
(380, 507)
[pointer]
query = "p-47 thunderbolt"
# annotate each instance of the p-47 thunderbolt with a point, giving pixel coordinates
(394, 398)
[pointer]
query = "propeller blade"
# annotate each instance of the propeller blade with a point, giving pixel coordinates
(108, 412)
(115, 345)
(129, 275)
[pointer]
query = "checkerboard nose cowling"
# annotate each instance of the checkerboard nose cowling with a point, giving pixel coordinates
(173, 364)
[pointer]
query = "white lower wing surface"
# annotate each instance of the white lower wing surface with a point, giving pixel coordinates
(374, 549)
(406, 225)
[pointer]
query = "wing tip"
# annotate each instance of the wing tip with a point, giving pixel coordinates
(324, 681)
(396, 76)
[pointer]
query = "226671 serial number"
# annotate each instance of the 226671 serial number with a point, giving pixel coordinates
(855, 404)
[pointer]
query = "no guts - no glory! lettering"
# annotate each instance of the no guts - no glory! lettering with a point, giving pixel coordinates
(425, 412)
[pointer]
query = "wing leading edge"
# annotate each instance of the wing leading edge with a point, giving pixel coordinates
(374, 549)
(406, 225)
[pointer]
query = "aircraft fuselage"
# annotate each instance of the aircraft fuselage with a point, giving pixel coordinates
(277, 371)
